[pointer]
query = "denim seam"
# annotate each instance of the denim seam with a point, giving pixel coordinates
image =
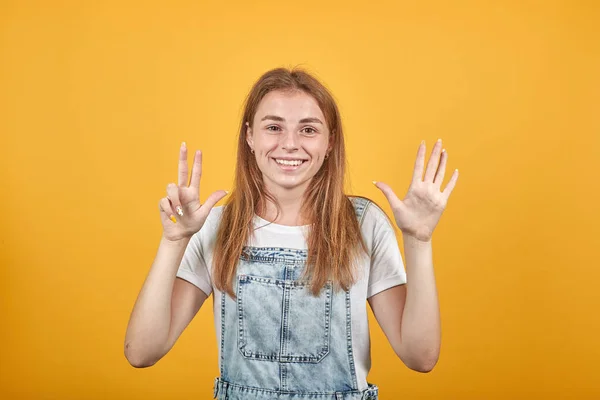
(241, 341)
(251, 389)
(349, 338)
(292, 257)
(223, 295)
(285, 331)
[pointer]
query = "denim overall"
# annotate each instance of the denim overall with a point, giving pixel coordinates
(280, 342)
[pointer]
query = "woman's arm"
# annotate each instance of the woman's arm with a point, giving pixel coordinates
(409, 314)
(415, 326)
(163, 309)
(421, 332)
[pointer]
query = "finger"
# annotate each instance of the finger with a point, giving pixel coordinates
(451, 184)
(173, 192)
(388, 193)
(166, 212)
(171, 205)
(433, 161)
(439, 176)
(197, 170)
(183, 167)
(418, 171)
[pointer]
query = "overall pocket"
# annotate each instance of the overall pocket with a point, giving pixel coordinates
(279, 320)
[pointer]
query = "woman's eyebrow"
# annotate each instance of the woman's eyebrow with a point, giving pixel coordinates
(302, 121)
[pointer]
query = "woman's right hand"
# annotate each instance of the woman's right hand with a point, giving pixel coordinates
(183, 201)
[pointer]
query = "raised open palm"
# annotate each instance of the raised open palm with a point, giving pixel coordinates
(182, 202)
(421, 209)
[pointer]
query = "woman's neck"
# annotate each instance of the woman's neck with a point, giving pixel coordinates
(290, 202)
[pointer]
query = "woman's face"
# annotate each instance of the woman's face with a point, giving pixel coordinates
(290, 139)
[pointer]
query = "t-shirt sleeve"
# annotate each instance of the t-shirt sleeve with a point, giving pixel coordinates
(193, 267)
(387, 266)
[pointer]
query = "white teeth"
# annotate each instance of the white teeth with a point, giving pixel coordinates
(289, 162)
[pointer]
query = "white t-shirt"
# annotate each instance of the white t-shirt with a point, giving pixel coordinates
(383, 270)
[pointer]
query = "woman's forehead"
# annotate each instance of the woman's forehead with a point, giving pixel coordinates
(291, 107)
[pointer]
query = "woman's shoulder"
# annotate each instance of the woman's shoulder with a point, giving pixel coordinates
(368, 211)
(214, 217)
(365, 204)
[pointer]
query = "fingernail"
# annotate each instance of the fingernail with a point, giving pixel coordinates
(172, 218)
(375, 183)
(443, 150)
(227, 191)
(422, 142)
(439, 140)
(183, 144)
(179, 211)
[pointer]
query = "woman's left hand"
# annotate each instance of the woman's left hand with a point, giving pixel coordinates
(419, 212)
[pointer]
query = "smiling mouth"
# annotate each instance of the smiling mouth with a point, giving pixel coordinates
(289, 164)
(293, 163)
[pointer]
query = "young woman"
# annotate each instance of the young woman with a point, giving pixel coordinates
(291, 260)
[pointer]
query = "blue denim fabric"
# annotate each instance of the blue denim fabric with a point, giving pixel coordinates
(280, 342)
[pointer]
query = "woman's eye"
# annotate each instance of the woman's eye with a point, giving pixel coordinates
(269, 128)
(312, 130)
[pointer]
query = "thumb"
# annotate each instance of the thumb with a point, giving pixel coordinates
(214, 199)
(388, 193)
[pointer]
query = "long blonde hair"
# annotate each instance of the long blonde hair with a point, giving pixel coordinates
(334, 240)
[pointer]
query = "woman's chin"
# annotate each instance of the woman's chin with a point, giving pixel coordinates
(288, 183)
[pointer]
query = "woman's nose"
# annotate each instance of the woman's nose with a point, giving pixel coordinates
(289, 140)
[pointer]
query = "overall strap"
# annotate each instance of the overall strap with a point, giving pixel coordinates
(360, 207)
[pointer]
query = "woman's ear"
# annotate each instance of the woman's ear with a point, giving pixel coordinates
(249, 138)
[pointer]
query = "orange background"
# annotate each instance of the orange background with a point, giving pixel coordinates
(96, 97)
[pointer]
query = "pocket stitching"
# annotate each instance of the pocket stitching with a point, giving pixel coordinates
(242, 342)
